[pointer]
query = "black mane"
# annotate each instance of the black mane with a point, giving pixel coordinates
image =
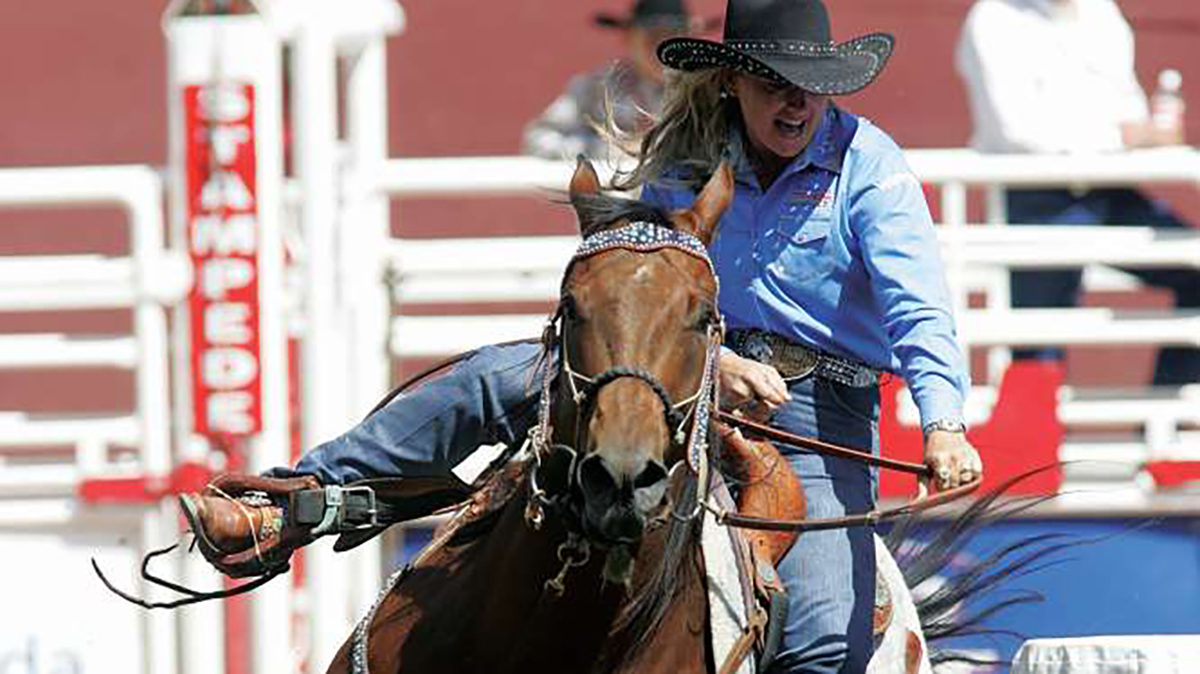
(598, 212)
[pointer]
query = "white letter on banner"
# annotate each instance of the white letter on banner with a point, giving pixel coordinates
(225, 189)
(225, 142)
(219, 276)
(229, 411)
(223, 103)
(223, 236)
(228, 368)
(226, 323)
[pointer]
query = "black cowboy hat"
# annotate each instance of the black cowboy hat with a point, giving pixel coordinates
(650, 13)
(786, 41)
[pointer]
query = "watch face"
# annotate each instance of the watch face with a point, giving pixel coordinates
(946, 425)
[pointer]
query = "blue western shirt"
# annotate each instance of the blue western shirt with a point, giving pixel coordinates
(840, 254)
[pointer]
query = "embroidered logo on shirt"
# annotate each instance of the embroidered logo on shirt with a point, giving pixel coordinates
(815, 199)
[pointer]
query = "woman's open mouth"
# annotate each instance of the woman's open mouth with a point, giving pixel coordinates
(789, 129)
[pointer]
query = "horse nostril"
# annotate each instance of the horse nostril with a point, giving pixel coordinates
(652, 474)
(595, 478)
(618, 505)
(650, 487)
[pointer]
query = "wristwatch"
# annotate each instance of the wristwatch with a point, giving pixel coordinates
(951, 425)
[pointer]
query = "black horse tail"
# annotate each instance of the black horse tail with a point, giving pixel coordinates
(957, 603)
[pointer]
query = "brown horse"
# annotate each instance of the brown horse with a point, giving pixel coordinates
(585, 558)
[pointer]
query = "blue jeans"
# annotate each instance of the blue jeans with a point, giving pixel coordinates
(830, 575)
(1060, 287)
(492, 397)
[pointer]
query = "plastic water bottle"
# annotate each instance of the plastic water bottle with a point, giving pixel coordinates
(1167, 106)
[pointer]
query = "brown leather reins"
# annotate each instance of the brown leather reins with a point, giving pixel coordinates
(871, 518)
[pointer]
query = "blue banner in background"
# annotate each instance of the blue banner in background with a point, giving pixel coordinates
(1121, 575)
(1118, 576)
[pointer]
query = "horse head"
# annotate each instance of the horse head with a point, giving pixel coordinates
(639, 327)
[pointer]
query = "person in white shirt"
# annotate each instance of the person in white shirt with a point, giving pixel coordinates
(1057, 76)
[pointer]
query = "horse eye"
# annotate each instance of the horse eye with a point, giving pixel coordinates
(705, 317)
(568, 308)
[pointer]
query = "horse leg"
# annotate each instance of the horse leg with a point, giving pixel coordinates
(899, 642)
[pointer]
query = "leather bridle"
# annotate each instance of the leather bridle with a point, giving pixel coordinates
(698, 408)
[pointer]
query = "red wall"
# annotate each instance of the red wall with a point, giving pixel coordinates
(84, 82)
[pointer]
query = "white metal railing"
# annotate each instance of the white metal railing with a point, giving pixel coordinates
(141, 281)
(38, 486)
(529, 269)
(517, 176)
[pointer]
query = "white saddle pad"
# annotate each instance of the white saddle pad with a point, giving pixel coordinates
(726, 605)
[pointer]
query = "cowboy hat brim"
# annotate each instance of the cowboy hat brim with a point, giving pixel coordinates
(830, 70)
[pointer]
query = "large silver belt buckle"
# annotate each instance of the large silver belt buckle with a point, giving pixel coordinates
(797, 362)
(756, 347)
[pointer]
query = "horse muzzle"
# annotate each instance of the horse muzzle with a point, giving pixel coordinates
(617, 503)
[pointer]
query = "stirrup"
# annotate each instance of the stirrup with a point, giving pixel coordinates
(335, 509)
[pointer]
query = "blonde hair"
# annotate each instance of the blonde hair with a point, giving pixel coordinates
(688, 138)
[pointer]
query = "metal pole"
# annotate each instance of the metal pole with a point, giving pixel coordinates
(315, 106)
(365, 233)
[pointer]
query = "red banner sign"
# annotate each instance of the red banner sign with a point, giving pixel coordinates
(223, 236)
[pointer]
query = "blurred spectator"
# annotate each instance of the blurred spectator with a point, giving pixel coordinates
(633, 85)
(1054, 76)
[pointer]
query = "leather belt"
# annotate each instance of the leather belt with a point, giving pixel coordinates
(795, 361)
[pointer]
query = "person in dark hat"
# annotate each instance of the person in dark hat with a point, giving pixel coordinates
(829, 277)
(827, 254)
(632, 85)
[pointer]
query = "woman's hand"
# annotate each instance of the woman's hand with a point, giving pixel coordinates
(750, 387)
(953, 460)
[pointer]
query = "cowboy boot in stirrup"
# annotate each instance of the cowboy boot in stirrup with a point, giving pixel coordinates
(243, 523)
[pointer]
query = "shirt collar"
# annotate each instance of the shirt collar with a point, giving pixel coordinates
(826, 150)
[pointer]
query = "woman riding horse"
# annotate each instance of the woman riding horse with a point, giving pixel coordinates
(829, 277)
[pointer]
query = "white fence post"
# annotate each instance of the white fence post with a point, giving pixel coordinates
(324, 345)
(225, 85)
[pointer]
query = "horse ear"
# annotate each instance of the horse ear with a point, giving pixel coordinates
(585, 180)
(711, 203)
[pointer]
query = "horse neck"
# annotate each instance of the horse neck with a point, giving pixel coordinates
(517, 618)
(525, 623)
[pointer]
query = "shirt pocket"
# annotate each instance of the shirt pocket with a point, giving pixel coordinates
(798, 249)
